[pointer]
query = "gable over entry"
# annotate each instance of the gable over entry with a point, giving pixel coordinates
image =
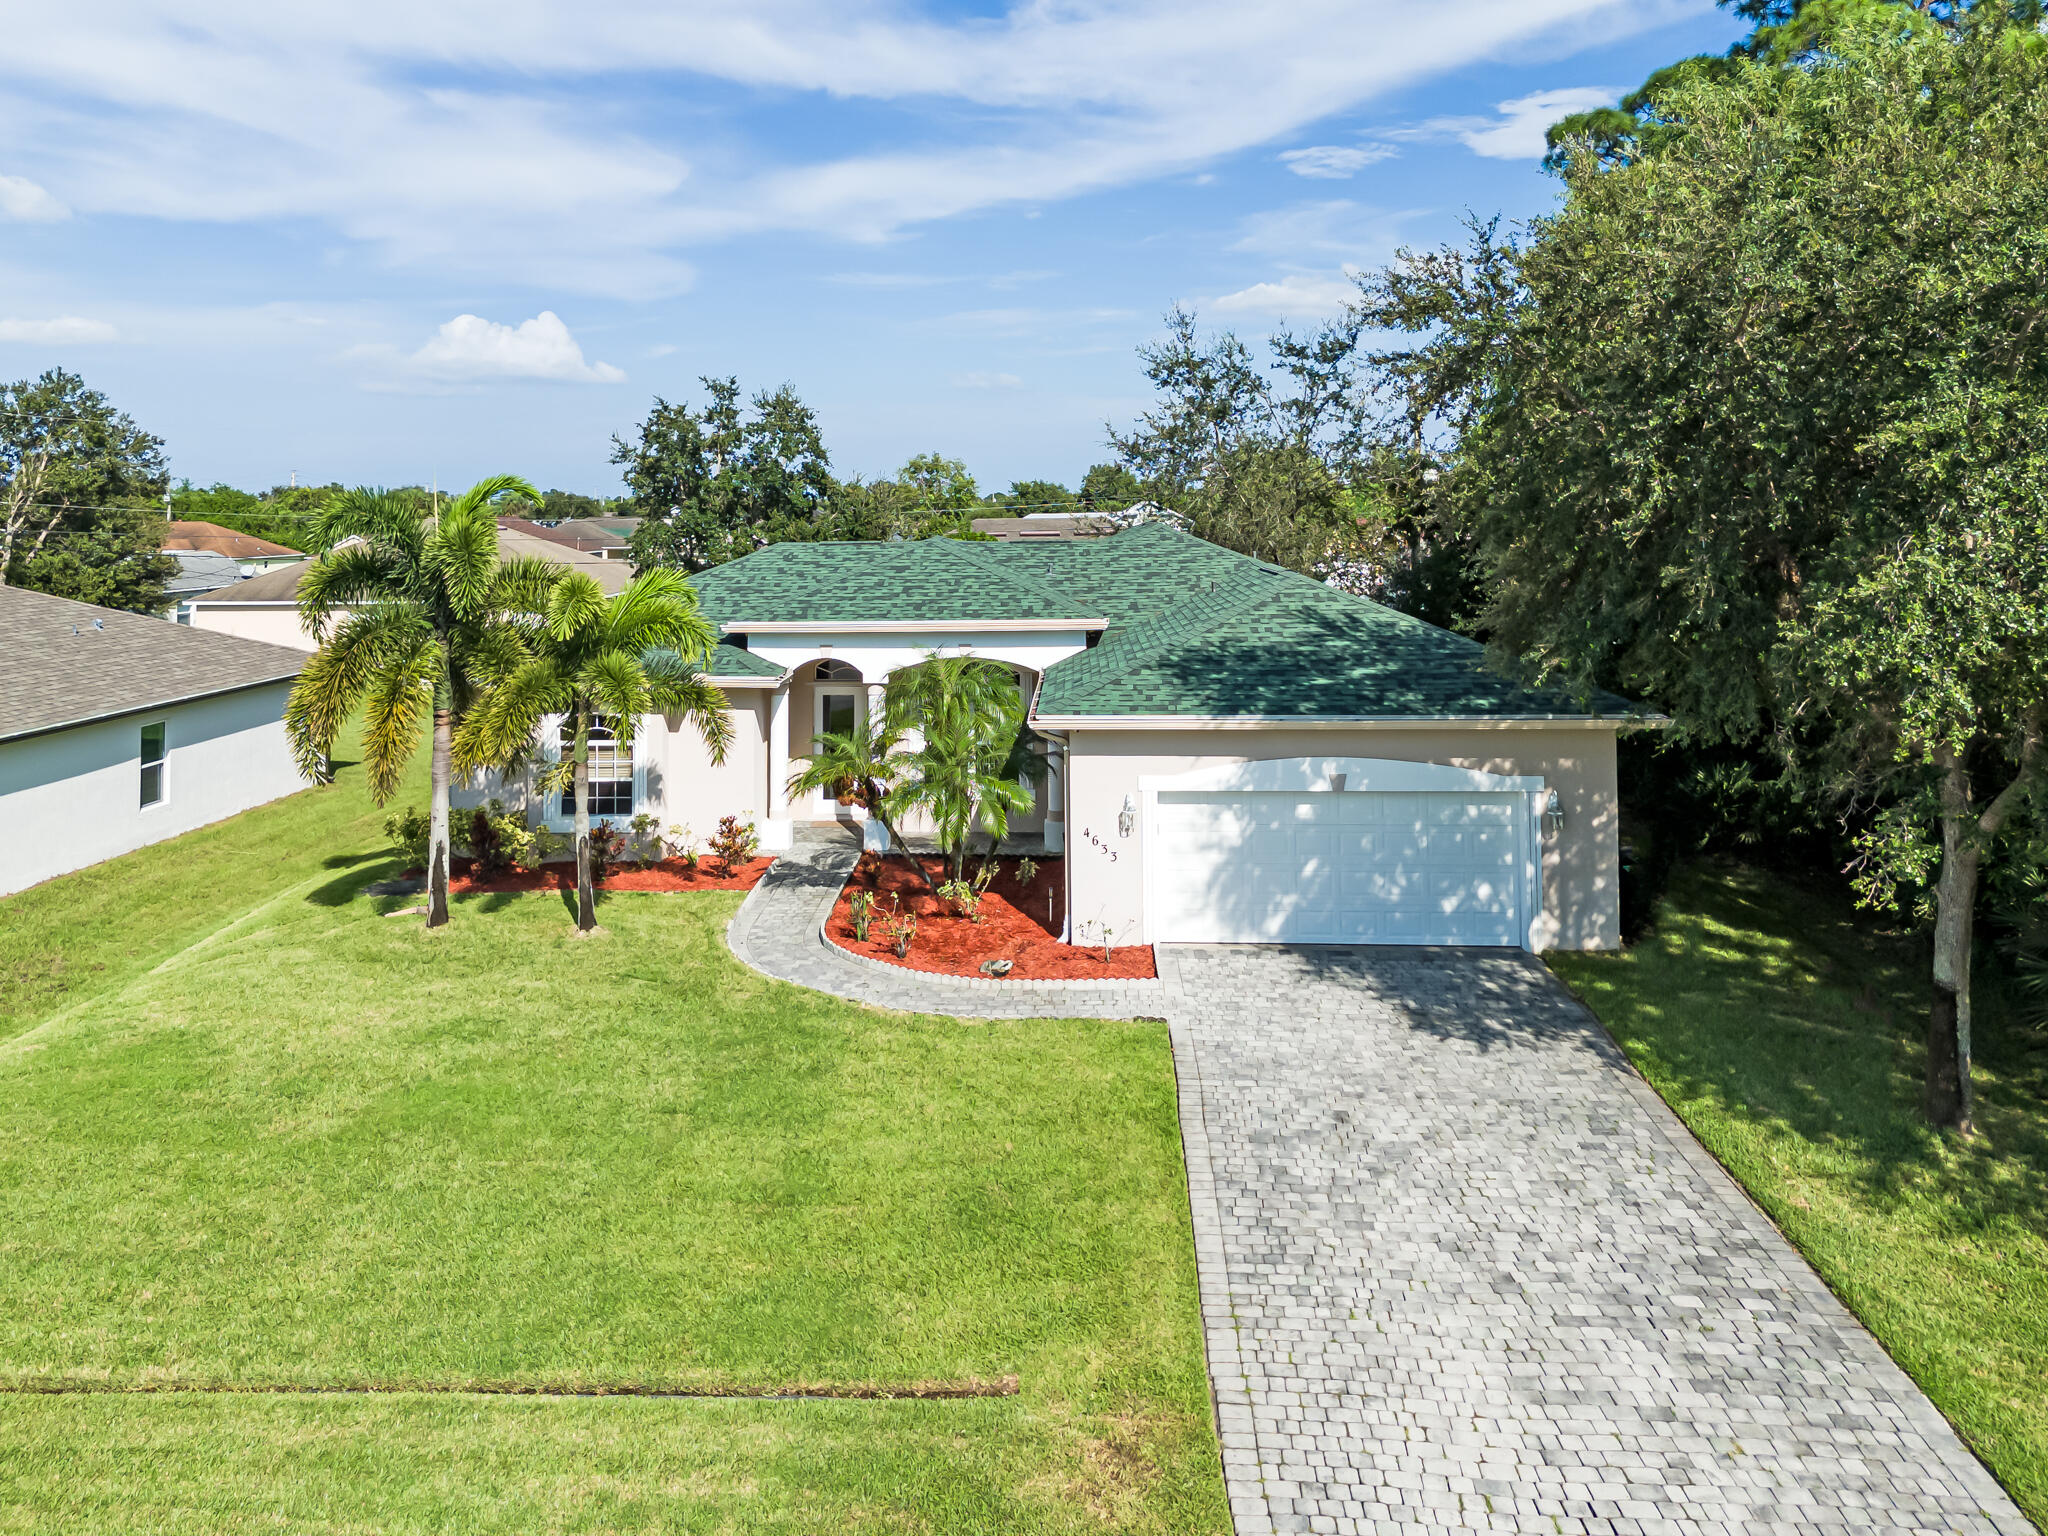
(1343, 851)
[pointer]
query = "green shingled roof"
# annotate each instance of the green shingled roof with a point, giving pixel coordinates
(857, 583)
(729, 660)
(1192, 629)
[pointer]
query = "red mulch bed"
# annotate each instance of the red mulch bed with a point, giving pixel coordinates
(667, 875)
(1020, 924)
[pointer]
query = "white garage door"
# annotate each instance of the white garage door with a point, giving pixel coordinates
(1342, 868)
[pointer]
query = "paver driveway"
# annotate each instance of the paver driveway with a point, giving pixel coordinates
(1462, 1268)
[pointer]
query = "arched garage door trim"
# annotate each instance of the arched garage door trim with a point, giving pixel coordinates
(1458, 798)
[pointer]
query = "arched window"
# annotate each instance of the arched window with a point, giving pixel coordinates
(611, 772)
(833, 670)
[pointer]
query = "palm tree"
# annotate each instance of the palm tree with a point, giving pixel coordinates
(598, 661)
(865, 757)
(430, 608)
(974, 766)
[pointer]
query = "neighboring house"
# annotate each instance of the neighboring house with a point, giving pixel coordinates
(117, 731)
(264, 607)
(586, 536)
(1046, 525)
(1238, 753)
(211, 557)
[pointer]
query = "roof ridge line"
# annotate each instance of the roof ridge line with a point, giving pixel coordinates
(1227, 605)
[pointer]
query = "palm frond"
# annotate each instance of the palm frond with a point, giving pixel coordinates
(522, 585)
(350, 576)
(615, 685)
(499, 726)
(392, 519)
(461, 557)
(338, 675)
(659, 610)
(575, 603)
(488, 494)
(700, 701)
(398, 701)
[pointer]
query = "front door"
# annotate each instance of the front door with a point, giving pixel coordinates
(839, 712)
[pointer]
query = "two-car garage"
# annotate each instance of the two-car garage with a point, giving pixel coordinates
(1342, 851)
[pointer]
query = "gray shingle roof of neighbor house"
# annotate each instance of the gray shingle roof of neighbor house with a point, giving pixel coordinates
(71, 663)
(1189, 630)
(279, 584)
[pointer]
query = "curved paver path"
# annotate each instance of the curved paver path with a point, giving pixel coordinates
(779, 930)
(1462, 1269)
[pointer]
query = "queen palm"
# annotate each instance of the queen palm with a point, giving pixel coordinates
(594, 661)
(867, 758)
(429, 609)
(975, 761)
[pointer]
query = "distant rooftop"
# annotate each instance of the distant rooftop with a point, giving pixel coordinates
(214, 539)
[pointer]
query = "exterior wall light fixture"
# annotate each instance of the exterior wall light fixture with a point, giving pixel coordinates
(1553, 816)
(1127, 818)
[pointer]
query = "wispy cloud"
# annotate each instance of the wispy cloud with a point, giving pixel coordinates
(1335, 162)
(472, 350)
(985, 381)
(227, 111)
(65, 330)
(1297, 296)
(1517, 131)
(22, 199)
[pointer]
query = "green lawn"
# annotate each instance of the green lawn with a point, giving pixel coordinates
(1786, 1029)
(254, 1132)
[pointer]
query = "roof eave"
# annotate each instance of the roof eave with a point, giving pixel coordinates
(1339, 722)
(152, 707)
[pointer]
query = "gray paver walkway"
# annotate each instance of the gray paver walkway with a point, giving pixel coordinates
(1461, 1268)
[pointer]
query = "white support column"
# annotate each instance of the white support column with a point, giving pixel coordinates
(874, 837)
(777, 831)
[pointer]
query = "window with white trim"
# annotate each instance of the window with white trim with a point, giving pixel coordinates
(154, 750)
(611, 772)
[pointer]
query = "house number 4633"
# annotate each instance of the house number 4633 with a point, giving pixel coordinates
(1100, 845)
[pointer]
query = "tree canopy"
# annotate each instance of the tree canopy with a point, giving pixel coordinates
(81, 488)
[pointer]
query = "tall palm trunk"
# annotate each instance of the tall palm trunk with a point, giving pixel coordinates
(437, 819)
(586, 893)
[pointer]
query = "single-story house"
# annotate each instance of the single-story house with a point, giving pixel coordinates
(266, 607)
(189, 535)
(118, 730)
(584, 535)
(1237, 753)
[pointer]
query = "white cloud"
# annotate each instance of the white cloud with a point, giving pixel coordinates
(22, 199)
(584, 149)
(1339, 227)
(985, 381)
(1297, 296)
(1517, 133)
(65, 330)
(472, 350)
(1335, 162)
(661, 349)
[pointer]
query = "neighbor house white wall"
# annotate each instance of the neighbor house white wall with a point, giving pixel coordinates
(1581, 863)
(275, 623)
(72, 798)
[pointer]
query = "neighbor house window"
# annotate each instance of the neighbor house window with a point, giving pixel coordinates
(611, 773)
(152, 763)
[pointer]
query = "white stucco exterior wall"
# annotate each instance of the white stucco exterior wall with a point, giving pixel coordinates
(1581, 863)
(72, 798)
(273, 623)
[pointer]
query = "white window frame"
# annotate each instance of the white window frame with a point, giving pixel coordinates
(161, 764)
(564, 812)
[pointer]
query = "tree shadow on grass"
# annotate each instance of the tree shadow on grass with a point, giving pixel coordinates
(342, 890)
(1775, 999)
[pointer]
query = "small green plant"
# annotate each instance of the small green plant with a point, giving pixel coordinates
(1107, 933)
(410, 831)
(733, 844)
(681, 843)
(900, 926)
(646, 840)
(547, 844)
(966, 896)
(860, 907)
(1027, 871)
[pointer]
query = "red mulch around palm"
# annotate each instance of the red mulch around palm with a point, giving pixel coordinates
(667, 875)
(1020, 924)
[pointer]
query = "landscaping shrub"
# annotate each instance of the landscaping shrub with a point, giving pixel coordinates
(499, 841)
(410, 830)
(607, 847)
(734, 843)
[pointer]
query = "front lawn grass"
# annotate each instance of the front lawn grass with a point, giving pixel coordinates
(1787, 1030)
(320, 1146)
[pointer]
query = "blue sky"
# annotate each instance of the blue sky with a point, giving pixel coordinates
(394, 242)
